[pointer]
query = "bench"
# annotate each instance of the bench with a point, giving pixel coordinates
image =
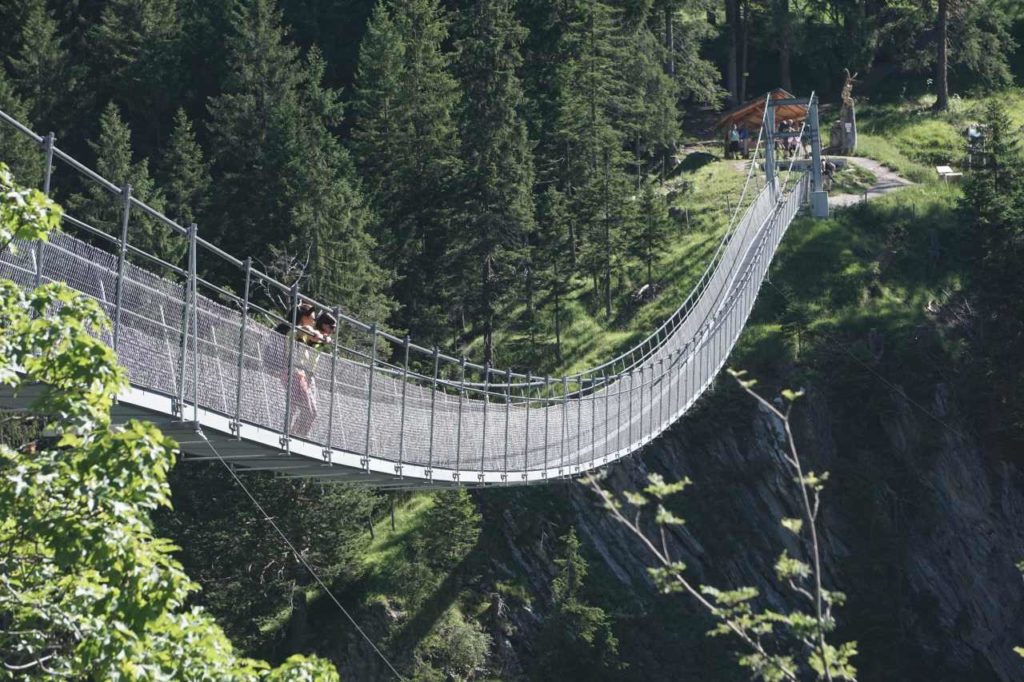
(947, 173)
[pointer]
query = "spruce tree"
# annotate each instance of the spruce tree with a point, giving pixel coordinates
(137, 48)
(551, 261)
(42, 70)
(16, 150)
(651, 231)
(407, 145)
(184, 176)
(591, 131)
(499, 165)
(103, 210)
(576, 641)
(331, 218)
(254, 131)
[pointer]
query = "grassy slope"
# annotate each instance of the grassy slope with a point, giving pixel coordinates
(870, 267)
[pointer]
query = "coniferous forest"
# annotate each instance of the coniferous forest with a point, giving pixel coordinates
(535, 184)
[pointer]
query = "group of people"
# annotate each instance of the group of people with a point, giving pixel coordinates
(788, 142)
(312, 331)
(788, 145)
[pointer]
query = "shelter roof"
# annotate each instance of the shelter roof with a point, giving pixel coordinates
(749, 115)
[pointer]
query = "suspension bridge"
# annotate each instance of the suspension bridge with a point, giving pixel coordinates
(207, 367)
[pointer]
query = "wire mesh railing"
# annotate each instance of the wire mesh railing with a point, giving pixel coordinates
(426, 415)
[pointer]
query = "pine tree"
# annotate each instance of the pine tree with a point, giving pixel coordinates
(254, 131)
(289, 190)
(591, 132)
(576, 641)
(42, 70)
(652, 230)
(407, 143)
(499, 166)
(103, 210)
(450, 530)
(137, 47)
(184, 177)
(330, 215)
(552, 264)
(16, 150)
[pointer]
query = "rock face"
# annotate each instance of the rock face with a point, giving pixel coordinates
(922, 528)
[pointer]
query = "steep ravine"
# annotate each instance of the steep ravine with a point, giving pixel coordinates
(922, 531)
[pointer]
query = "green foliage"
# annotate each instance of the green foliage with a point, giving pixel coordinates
(498, 174)
(455, 649)
(42, 70)
(103, 210)
(185, 178)
(407, 143)
(25, 214)
(86, 588)
(576, 639)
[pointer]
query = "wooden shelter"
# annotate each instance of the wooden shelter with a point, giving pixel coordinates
(748, 116)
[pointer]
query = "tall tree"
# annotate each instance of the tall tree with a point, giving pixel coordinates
(407, 145)
(103, 210)
(136, 45)
(16, 150)
(499, 163)
(42, 70)
(652, 230)
(184, 175)
(551, 260)
(942, 55)
(577, 639)
(331, 217)
(254, 128)
(591, 133)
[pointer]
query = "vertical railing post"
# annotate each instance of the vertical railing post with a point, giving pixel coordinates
(661, 393)
(565, 426)
(483, 439)
(547, 406)
(122, 250)
(526, 445)
(334, 381)
(241, 348)
(769, 147)
(458, 427)
(607, 421)
(579, 421)
(433, 404)
(508, 415)
(369, 393)
(193, 273)
(292, 339)
(629, 435)
(47, 174)
(401, 424)
(186, 321)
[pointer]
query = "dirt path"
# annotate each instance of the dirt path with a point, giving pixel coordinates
(886, 181)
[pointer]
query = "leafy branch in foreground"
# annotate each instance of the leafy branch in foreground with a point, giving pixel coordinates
(87, 591)
(776, 646)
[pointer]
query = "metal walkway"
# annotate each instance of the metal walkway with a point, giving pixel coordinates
(389, 413)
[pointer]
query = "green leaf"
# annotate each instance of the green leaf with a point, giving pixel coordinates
(793, 525)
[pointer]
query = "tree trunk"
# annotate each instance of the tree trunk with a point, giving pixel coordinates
(670, 43)
(731, 18)
(298, 623)
(486, 309)
(745, 47)
(558, 327)
(785, 47)
(942, 56)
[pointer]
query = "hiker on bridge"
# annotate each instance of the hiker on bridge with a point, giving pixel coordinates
(307, 337)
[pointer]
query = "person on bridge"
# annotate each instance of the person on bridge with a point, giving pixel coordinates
(303, 380)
